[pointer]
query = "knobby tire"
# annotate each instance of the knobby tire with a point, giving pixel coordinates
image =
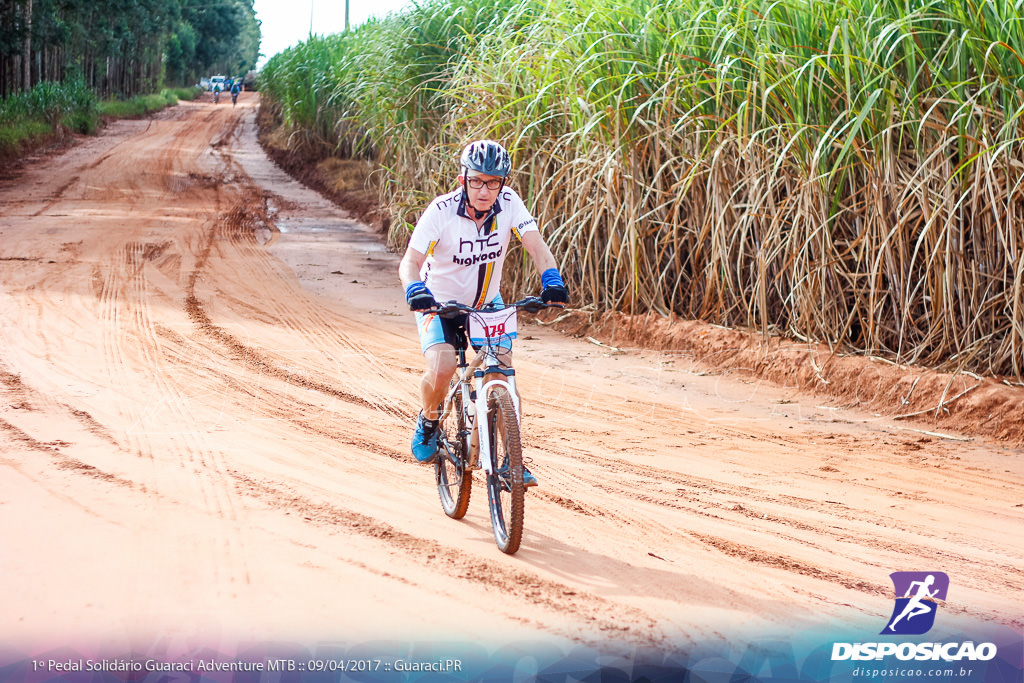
(505, 490)
(454, 481)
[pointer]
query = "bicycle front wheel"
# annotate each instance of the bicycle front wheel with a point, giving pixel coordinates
(505, 490)
(454, 480)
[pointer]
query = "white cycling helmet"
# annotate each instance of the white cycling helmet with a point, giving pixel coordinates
(486, 156)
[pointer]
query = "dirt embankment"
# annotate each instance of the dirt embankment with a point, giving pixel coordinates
(963, 402)
(960, 402)
(347, 183)
(14, 158)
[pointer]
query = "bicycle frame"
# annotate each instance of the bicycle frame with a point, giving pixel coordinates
(474, 374)
(485, 391)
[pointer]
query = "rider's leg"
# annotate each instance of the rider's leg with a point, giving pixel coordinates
(441, 362)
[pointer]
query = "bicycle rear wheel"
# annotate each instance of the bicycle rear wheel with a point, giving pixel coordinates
(454, 480)
(505, 490)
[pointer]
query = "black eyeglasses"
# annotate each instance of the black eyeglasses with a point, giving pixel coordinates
(477, 183)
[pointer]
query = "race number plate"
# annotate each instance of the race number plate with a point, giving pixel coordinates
(497, 328)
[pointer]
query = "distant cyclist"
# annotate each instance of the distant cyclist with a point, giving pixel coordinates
(236, 88)
(216, 93)
(456, 252)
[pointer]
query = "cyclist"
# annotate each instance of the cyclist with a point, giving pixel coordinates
(216, 93)
(236, 88)
(456, 252)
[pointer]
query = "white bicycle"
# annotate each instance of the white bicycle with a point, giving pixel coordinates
(479, 423)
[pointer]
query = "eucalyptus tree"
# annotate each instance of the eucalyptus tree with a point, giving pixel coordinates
(227, 36)
(124, 47)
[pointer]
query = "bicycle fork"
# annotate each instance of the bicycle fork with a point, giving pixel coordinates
(482, 428)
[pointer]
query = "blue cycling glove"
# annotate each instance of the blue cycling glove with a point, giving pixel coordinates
(554, 291)
(419, 297)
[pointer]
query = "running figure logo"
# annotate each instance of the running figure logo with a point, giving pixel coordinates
(917, 594)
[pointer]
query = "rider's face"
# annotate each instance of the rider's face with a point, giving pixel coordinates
(481, 198)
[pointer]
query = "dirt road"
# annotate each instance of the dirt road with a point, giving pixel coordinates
(208, 381)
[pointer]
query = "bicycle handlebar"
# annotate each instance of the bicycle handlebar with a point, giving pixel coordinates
(450, 309)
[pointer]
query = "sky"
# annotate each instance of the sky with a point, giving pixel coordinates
(287, 22)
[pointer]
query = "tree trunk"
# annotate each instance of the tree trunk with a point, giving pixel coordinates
(26, 60)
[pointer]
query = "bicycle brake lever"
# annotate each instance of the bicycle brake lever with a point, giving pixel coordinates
(533, 304)
(449, 310)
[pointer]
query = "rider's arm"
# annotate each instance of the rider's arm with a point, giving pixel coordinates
(409, 268)
(417, 295)
(538, 250)
(553, 288)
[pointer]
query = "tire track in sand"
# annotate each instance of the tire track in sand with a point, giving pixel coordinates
(161, 425)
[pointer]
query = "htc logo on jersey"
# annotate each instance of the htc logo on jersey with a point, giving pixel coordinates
(474, 259)
(480, 250)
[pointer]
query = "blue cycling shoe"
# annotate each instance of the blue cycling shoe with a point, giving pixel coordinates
(424, 441)
(528, 479)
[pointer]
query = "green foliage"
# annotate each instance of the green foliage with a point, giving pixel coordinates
(16, 135)
(181, 53)
(226, 36)
(127, 47)
(380, 90)
(29, 118)
(139, 105)
(187, 94)
(841, 171)
(49, 103)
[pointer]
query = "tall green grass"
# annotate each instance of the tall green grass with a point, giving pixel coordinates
(848, 172)
(140, 105)
(50, 102)
(29, 119)
(26, 118)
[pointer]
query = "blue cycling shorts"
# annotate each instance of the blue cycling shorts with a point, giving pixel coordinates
(434, 329)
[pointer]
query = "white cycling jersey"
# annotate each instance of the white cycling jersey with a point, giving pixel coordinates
(463, 262)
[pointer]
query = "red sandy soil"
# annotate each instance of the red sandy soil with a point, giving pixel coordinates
(208, 380)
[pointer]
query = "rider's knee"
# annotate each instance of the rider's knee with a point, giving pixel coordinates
(441, 372)
(441, 364)
(441, 356)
